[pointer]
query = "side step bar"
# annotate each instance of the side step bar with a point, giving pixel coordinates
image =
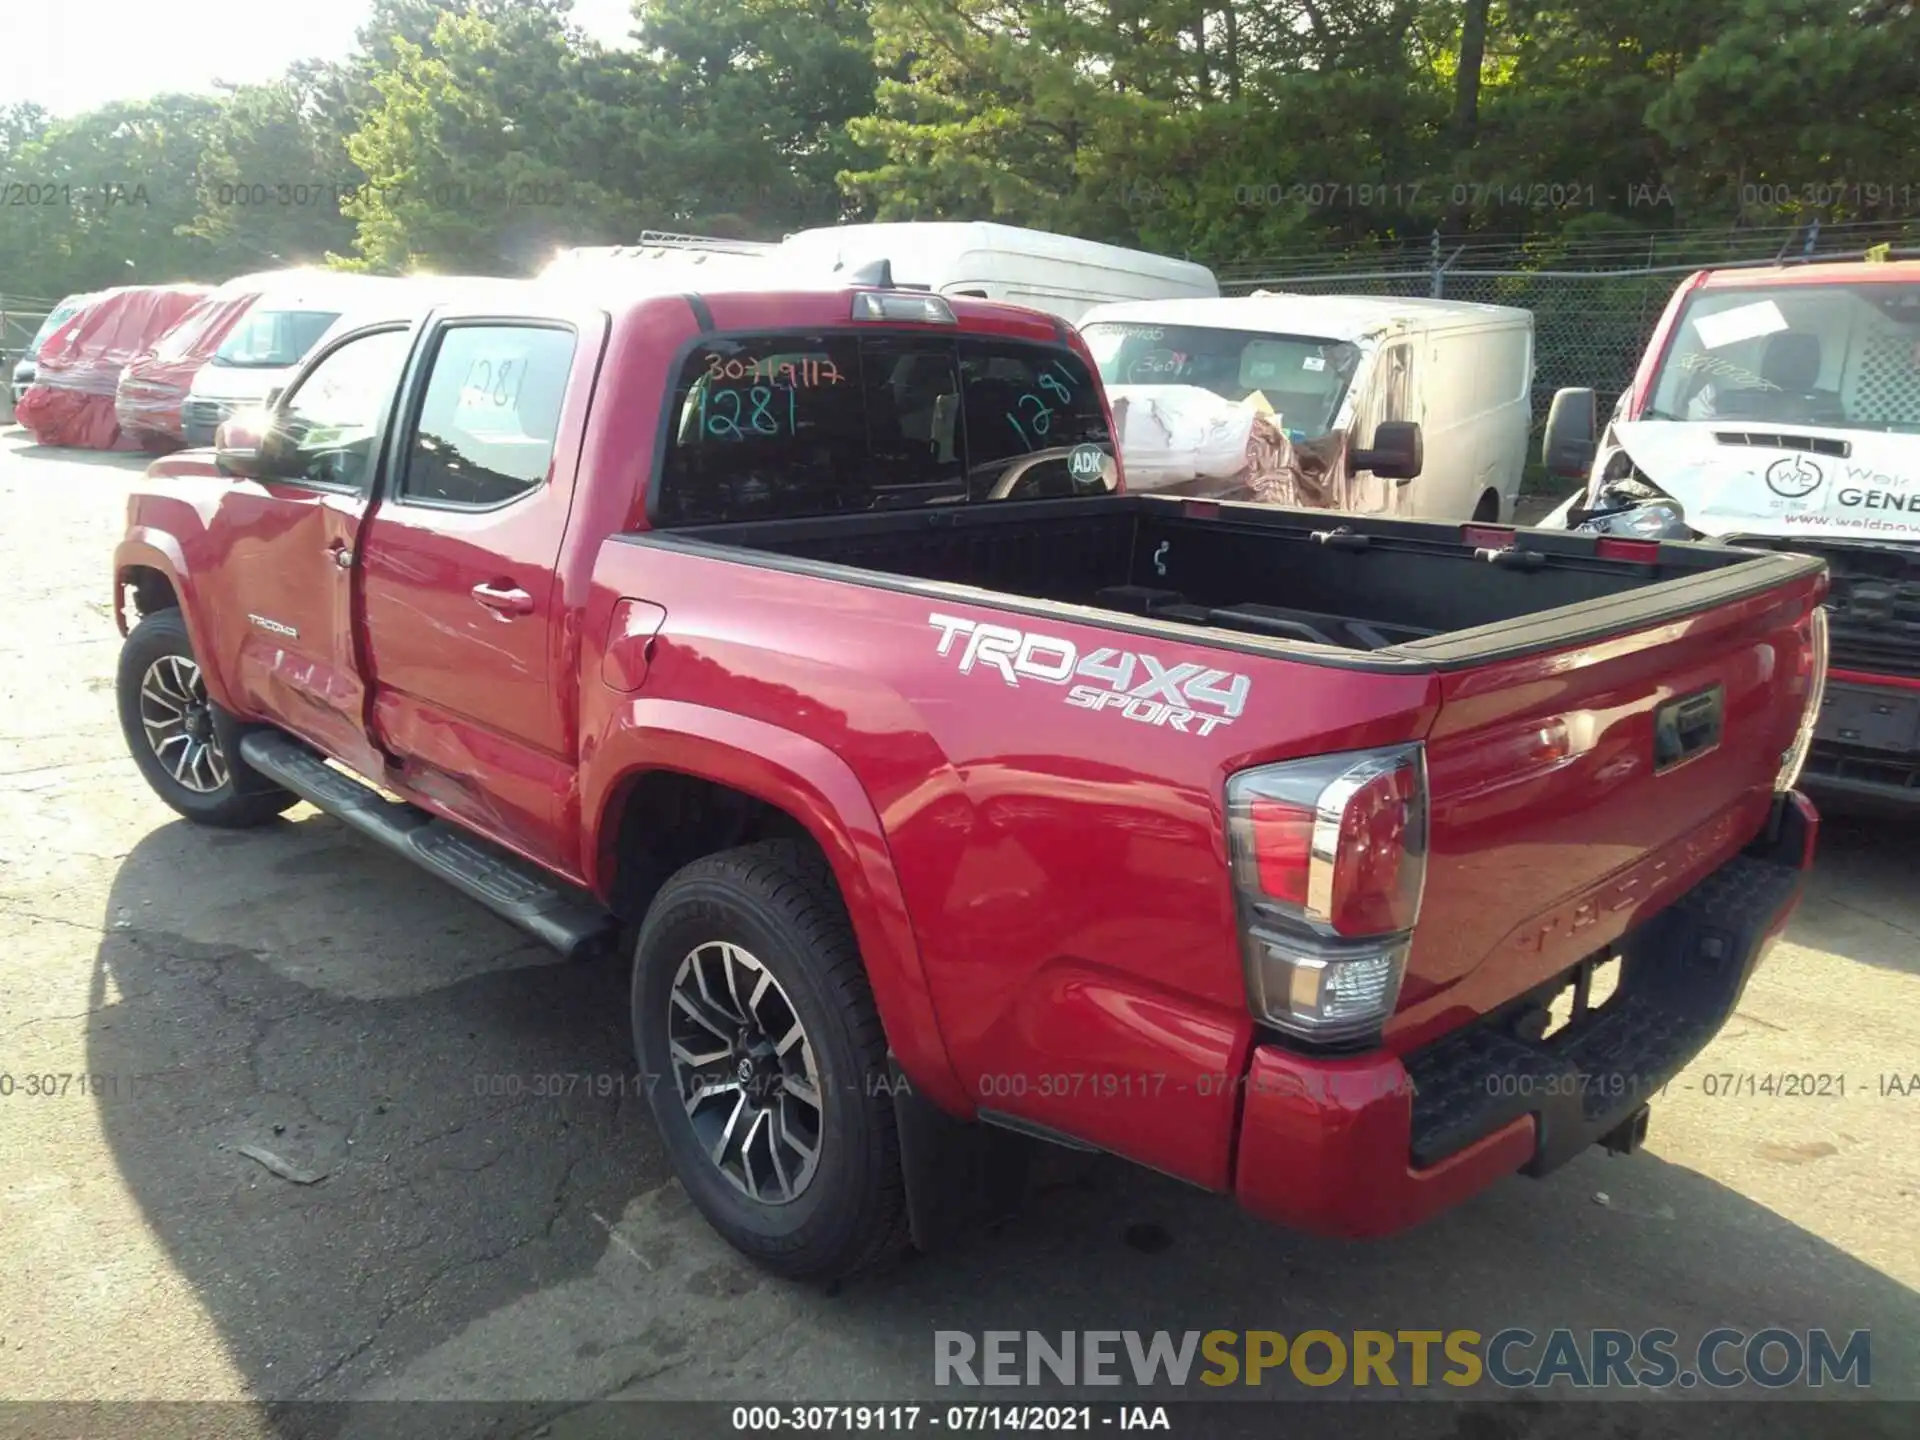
(565, 917)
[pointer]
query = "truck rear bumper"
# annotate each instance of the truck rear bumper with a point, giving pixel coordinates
(1867, 745)
(1368, 1145)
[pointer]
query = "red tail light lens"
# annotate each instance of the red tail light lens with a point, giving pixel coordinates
(1329, 863)
(1380, 855)
(1282, 848)
(1340, 838)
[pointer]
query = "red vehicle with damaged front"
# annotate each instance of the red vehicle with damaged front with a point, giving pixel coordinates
(805, 649)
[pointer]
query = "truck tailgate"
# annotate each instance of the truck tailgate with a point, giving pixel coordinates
(1576, 792)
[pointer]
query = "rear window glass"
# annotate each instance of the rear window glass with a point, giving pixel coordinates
(782, 426)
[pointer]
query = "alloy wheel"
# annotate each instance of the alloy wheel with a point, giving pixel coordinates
(178, 719)
(745, 1072)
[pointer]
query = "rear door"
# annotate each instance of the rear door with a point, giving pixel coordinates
(458, 595)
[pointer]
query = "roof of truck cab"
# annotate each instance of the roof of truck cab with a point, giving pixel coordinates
(616, 289)
(1333, 317)
(1843, 272)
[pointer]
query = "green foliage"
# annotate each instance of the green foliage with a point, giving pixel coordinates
(476, 135)
(105, 198)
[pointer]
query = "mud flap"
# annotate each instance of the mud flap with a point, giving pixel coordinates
(959, 1175)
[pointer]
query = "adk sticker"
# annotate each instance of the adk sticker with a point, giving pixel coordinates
(1086, 462)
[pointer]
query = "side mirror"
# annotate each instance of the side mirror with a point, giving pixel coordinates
(1573, 425)
(1397, 453)
(273, 397)
(243, 447)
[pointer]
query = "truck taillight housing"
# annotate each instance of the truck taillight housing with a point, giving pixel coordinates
(1795, 758)
(1329, 860)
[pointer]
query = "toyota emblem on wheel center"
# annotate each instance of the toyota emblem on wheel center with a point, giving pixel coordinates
(1794, 477)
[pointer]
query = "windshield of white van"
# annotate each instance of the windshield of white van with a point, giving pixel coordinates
(1303, 378)
(1835, 355)
(273, 339)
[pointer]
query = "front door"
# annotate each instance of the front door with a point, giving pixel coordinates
(290, 543)
(459, 598)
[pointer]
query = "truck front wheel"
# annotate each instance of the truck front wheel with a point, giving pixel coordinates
(760, 1047)
(184, 744)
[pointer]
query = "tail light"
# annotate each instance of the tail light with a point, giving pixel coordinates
(1796, 756)
(1329, 862)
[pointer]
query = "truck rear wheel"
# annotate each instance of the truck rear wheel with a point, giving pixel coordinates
(185, 745)
(759, 1042)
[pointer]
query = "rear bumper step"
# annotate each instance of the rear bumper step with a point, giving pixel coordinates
(519, 892)
(1371, 1144)
(1681, 975)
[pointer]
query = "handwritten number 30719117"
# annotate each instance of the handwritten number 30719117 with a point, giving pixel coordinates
(724, 421)
(1040, 415)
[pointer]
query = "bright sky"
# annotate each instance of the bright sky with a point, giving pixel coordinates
(71, 55)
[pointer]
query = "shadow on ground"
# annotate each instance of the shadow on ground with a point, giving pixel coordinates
(428, 1226)
(133, 461)
(1867, 857)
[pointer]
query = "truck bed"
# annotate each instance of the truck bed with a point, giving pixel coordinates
(1392, 591)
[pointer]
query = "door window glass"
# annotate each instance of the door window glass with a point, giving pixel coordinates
(329, 424)
(490, 416)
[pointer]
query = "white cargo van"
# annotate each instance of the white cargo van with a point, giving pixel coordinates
(1055, 273)
(692, 260)
(295, 309)
(1190, 376)
(1059, 274)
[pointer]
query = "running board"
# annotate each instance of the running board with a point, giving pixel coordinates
(519, 892)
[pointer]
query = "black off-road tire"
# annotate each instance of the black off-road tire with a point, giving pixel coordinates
(245, 798)
(777, 901)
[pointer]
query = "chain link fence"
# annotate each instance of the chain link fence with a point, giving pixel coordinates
(18, 323)
(17, 329)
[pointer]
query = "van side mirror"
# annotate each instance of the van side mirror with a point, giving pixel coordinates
(1573, 427)
(1397, 452)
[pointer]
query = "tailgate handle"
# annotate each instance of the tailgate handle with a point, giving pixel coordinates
(1688, 726)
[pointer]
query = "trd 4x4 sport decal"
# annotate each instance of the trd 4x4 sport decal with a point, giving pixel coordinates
(1189, 698)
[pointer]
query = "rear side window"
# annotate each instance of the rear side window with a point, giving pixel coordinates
(490, 415)
(782, 426)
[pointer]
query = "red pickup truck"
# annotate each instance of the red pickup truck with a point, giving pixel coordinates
(809, 644)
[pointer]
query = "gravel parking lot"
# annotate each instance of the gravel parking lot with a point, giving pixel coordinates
(448, 1233)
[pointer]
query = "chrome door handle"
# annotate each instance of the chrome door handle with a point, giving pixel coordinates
(504, 600)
